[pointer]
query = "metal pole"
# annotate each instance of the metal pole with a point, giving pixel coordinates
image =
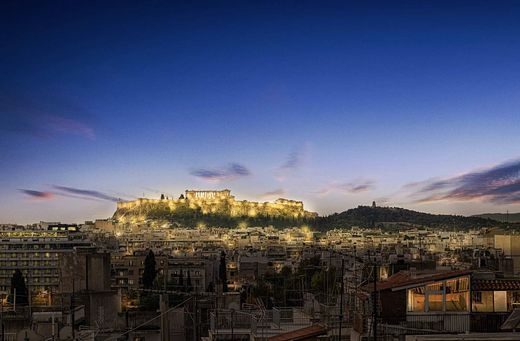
(2, 316)
(196, 319)
(355, 280)
(52, 321)
(72, 311)
(232, 331)
(341, 298)
(374, 303)
(29, 298)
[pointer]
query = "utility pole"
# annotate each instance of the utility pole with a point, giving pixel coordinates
(232, 331)
(52, 330)
(374, 303)
(355, 280)
(2, 315)
(72, 311)
(196, 319)
(327, 277)
(163, 306)
(341, 298)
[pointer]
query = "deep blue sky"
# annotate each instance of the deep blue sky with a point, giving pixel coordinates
(333, 103)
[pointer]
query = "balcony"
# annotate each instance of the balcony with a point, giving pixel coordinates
(432, 323)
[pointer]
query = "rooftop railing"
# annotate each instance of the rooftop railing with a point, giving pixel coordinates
(432, 323)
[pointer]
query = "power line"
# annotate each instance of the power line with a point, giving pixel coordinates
(146, 322)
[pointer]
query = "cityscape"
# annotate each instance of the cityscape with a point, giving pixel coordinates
(259, 170)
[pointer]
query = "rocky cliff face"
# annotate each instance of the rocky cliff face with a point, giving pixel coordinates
(200, 204)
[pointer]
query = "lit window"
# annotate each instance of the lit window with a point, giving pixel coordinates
(450, 295)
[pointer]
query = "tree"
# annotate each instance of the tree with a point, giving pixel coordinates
(150, 272)
(222, 271)
(189, 287)
(162, 196)
(181, 281)
(286, 271)
(18, 284)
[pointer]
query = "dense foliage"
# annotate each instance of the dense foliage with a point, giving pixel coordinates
(186, 216)
(286, 288)
(18, 288)
(503, 217)
(150, 271)
(369, 216)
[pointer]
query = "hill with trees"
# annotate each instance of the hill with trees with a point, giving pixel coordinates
(503, 217)
(372, 216)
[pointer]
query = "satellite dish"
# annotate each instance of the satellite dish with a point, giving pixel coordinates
(65, 333)
(28, 335)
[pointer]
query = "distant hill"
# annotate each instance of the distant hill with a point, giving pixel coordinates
(368, 216)
(503, 217)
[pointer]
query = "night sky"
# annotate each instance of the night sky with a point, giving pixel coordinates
(409, 103)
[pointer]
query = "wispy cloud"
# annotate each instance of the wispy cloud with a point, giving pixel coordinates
(85, 193)
(293, 162)
(356, 186)
(499, 184)
(24, 115)
(38, 195)
(57, 124)
(230, 172)
(274, 193)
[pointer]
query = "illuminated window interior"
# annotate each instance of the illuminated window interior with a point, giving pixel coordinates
(450, 295)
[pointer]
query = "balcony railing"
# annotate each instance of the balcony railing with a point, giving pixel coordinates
(258, 321)
(432, 323)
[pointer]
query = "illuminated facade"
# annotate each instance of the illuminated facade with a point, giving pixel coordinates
(37, 253)
(218, 202)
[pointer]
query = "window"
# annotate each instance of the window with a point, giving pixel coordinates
(477, 297)
(457, 293)
(449, 295)
(434, 300)
(514, 300)
(416, 299)
(500, 301)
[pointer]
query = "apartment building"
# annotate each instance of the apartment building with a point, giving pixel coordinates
(37, 252)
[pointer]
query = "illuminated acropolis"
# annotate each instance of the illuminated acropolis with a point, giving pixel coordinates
(217, 202)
